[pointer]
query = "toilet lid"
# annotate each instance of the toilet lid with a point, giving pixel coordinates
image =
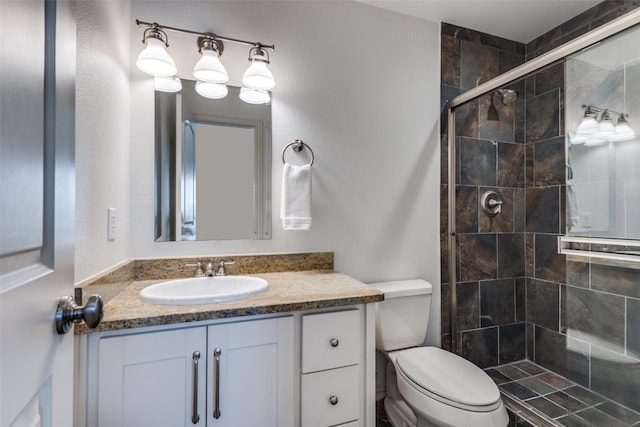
(448, 376)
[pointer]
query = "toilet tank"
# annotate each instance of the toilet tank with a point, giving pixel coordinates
(402, 318)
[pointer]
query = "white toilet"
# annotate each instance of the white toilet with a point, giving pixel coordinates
(428, 386)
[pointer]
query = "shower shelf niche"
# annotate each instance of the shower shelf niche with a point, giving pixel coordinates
(608, 249)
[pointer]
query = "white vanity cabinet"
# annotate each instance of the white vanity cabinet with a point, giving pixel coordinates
(229, 374)
(313, 368)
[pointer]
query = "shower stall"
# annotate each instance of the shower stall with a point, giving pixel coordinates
(540, 214)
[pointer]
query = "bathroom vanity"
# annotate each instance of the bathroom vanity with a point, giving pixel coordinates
(300, 354)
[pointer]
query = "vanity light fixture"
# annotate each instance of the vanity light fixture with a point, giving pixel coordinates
(209, 72)
(167, 84)
(597, 127)
(154, 59)
(258, 75)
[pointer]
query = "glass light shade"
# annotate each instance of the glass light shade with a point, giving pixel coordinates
(606, 129)
(254, 96)
(577, 139)
(210, 69)
(258, 75)
(594, 141)
(623, 133)
(212, 90)
(167, 84)
(155, 60)
(588, 126)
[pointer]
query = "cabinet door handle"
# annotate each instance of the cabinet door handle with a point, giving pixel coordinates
(216, 393)
(194, 395)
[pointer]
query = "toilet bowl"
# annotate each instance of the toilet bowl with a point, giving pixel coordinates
(428, 386)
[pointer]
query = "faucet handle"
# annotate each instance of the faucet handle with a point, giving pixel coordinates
(199, 272)
(222, 271)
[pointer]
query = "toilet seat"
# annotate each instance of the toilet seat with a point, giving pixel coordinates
(448, 378)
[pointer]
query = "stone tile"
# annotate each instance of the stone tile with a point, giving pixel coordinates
(584, 395)
(528, 166)
(478, 64)
(565, 401)
(511, 165)
(480, 346)
(530, 368)
(477, 162)
(467, 120)
(521, 301)
(447, 93)
(555, 380)
(445, 308)
(543, 210)
(543, 116)
(547, 407)
(529, 254)
(512, 372)
(549, 162)
(503, 221)
(549, 78)
(473, 267)
(511, 261)
(578, 361)
(616, 377)
(518, 390)
(537, 385)
(616, 280)
(578, 272)
(497, 302)
(468, 299)
(519, 212)
(531, 342)
(549, 264)
(594, 316)
(512, 342)
(466, 209)
(542, 304)
(450, 61)
(597, 418)
(633, 333)
(508, 60)
(550, 351)
(620, 413)
(498, 377)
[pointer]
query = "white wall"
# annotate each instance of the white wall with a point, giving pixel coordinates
(102, 134)
(358, 84)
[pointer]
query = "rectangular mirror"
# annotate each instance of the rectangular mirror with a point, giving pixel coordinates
(212, 166)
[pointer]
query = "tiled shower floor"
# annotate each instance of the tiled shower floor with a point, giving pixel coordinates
(546, 399)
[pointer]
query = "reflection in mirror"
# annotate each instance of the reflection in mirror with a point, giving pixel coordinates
(603, 149)
(213, 167)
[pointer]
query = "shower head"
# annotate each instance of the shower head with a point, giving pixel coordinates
(507, 96)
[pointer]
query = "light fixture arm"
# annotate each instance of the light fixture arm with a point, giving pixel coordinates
(158, 27)
(590, 109)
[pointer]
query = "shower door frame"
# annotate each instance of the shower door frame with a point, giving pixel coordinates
(611, 28)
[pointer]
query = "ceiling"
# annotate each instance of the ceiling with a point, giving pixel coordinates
(519, 20)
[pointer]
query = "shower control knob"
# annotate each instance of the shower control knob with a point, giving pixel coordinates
(333, 400)
(334, 342)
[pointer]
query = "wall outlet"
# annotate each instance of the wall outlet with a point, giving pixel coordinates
(111, 224)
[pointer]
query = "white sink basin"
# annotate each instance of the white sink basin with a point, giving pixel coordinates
(203, 290)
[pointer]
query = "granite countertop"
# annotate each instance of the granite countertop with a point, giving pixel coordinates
(288, 291)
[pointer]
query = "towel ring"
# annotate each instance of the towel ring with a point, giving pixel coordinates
(297, 145)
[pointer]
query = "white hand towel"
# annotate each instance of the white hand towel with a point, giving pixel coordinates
(295, 208)
(573, 215)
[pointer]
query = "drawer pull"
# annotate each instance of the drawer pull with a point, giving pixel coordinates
(194, 394)
(333, 400)
(334, 342)
(216, 393)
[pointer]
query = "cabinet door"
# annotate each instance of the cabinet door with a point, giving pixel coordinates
(150, 379)
(253, 374)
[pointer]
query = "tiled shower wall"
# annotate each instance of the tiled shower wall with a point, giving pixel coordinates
(516, 296)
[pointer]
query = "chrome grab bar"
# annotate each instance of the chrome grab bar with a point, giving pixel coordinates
(216, 394)
(194, 403)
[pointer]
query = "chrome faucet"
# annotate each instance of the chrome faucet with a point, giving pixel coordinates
(199, 272)
(222, 271)
(210, 271)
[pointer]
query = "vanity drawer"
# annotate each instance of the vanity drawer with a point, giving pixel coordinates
(330, 397)
(330, 340)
